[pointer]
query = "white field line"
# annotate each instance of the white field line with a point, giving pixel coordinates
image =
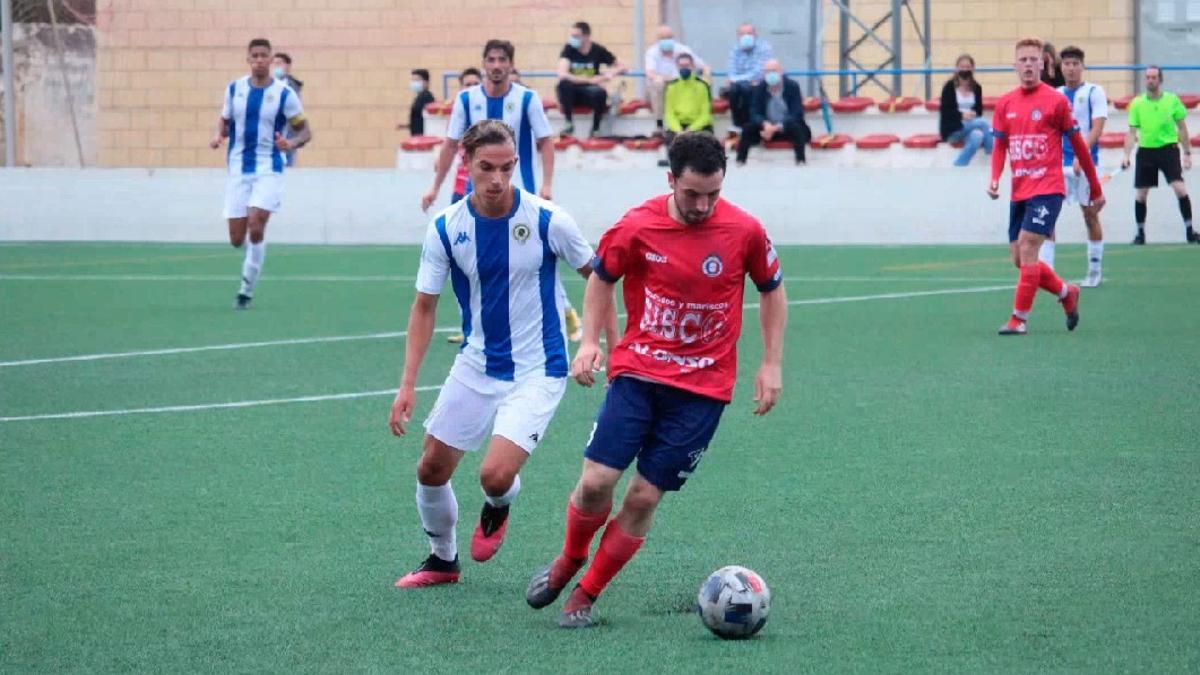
(384, 278)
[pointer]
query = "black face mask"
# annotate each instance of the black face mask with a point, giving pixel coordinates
(965, 74)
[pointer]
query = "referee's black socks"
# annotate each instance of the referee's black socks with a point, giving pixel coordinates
(1139, 214)
(1185, 210)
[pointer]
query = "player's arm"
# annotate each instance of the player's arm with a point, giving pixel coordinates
(1083, 155)
(445, 156)
(1185, 142)
(599, 311)
(999, 154)
(301, 135)
(221, 134)
(772, 315)
(545, 148)
(420, 333)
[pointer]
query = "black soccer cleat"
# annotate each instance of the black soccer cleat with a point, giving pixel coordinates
(243, 301)
(1139, 239)
(1192, 237)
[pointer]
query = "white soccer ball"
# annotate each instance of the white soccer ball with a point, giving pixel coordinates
(734, 602)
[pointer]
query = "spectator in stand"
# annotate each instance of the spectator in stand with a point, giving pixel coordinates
(281, 69)
(471, 77)
(687, 102)
(661, 68)
(422, 97)
(1052, 73)
(961, 112)
(584, 70)
(514, 77)
(746, 61)
(776, 112)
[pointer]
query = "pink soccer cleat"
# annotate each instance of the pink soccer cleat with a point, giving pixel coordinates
(433, 572)
(489, 533)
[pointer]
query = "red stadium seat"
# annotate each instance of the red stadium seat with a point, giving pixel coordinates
(812, 104)
(778, 144)
(652, 143)
(434, 108)
(1195, 140)
(421, 143)
(989, 102)
(933, 104)
(876, 141)
(597, 144)
(830, 141)
(547, 104)
(1112, 139)
(893, 104)
(720, 106)
(1123, 102)
(1190, 100)
(631, 107)
(565, 142)
(852, 104)
(922, 141)
(581, 109)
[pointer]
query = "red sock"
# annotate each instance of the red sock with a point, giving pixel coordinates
(1049, 280)
(581, 529)
(1027, 287)
(616, 548)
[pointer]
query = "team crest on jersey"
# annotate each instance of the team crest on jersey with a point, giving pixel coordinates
(521, 233)
(712, 265)
(510, 106)
(1036, 114)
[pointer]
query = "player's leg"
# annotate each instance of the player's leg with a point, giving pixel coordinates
(266, 197)
(1145, 176)
(1041, 218)
(237, 210)
(1095, 246)
(1185, 210)
(1026, 281)
(621, 428)
(565, 92)
(1048, 250)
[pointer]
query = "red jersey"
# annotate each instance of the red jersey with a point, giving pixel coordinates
(1034, 122)
(683, 291)
(462, 175)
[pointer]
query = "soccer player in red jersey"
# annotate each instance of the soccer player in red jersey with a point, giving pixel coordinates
(1029, 124)
(684, 257)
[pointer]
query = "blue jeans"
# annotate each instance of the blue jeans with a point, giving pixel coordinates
(973, 134)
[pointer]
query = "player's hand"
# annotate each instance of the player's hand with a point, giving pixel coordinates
(767, 385)
(969, 115)
(1187, 162)
(589, 360)
(428, 198)
(1097, 203)
(216, 141)
(993, 190)
(282, 143)
(402, 408)
(1125, 163)
(1076, 168)
(545, 193)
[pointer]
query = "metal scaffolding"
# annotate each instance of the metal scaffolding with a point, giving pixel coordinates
(891, 44)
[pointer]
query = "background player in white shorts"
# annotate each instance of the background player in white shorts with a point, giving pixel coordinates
(499, 248)
(1089, 106)
(257, 111)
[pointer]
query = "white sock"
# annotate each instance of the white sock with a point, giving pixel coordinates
(508, 497)
(1046, 253)
(439, 514)
(252, 266)
(1095, 252)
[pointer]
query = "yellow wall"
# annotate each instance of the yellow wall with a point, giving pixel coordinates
(162, 64)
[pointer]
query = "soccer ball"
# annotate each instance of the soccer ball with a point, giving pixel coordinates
(734, 602)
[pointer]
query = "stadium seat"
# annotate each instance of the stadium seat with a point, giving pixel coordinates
(1112, 139)
(1122, 103)
(548, 105)
(989, 102)
(904, 104)
(597, 144)
(778, 144)
(922, 141)
(876, 141)
(720, 106)
(852, 104)
(1190, 100)
(958, 144)
(434, 108)
(582, 109)
(421, 143)
(830, 141)
(812, 104)
(1195, 140)
(564, 142)
(652, 143)
(631, 107)
(933, 104)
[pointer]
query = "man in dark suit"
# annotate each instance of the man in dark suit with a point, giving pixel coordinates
(776, 112)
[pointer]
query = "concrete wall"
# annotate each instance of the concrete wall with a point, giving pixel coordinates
(45, 134)
(810, 205)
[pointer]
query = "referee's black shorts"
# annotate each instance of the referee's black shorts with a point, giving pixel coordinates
(1150, 161)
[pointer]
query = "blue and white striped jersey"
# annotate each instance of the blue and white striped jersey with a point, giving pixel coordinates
(1088, 102)
(521, 109)
(255, 114)
(504, 271)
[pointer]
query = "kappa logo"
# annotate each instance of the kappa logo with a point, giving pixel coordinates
(534, 437)
(1040, 217)
(461, 239)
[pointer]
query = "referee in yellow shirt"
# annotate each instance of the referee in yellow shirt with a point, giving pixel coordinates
(1157, 127)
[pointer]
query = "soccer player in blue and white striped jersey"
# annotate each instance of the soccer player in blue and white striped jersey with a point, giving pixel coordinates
(499, 248)
(257, 111)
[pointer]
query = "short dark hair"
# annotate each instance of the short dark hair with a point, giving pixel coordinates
(469, 71)
(1071, 52)
(284, 56)
(696, 150)
(487, 132)
(1161, 76)
(259, 42)
(503, 45)
(683, 56)
(583, 27)
(421, 73)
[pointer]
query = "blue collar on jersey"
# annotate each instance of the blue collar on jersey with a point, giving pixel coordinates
(512, 212)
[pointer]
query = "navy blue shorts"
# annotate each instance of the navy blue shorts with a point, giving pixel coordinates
(1036, 214)
(665, 428)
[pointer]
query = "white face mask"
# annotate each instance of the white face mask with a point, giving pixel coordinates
(278, 73)
(417, 86)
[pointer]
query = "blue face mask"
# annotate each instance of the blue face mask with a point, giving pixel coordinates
(685, 73)
(417, 86)
(574, 42)
(772, 78)
(746, 41)
(278, 73)
(666, 44)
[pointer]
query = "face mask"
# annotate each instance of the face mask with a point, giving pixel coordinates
(746, 41)
(278, 73)
(685, 73)
(666, 44)
(965, 74)
(574, 42)
(772, 78)
(417, 86)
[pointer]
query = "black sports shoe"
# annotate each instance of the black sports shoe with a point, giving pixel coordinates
(1192, 237)
(433, 572)
(1140, 239)
(243, 301)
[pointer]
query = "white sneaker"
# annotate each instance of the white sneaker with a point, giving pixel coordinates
(1092, 280)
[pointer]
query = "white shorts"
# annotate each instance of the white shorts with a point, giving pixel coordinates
(1078, 190)
(256, 190)
(473, 407)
